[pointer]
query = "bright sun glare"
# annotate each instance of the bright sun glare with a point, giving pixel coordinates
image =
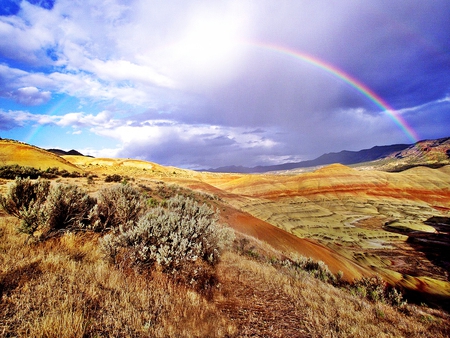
(208, 48)
(209, 41)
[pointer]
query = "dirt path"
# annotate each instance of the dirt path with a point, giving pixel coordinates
(257, 308)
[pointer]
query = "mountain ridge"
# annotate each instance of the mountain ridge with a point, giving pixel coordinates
(345, 157)
(401, 156)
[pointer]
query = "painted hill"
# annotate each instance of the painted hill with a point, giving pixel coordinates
(379, 220)
(12, 152)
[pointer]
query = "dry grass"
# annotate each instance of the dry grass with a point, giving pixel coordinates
(65, 288)
(264, 301)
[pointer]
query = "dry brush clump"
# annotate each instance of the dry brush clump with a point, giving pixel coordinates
(182, 239)
(376, 289)
(25, 200)
(67, 208)
(119, 205)
(46, 209)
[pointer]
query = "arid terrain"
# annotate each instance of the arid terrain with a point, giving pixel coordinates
(359, 221)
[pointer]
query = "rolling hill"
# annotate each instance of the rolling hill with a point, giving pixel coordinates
(359, 221)
(12, 152)
(336, 214)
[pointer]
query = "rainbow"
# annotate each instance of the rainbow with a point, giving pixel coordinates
(341, 75)
(52, 111)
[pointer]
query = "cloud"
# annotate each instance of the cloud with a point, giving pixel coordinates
(31, 96)
(188, 83)
(7, 122)
(122, 70)
(198, 146)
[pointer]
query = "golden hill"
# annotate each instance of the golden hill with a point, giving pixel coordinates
(12, 152)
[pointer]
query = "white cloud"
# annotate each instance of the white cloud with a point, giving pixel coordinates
(110, 51)
(31, 96)
(86, 85)
(122, 70)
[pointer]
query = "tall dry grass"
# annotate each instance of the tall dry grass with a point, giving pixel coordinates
(64, 287)
(266, 301)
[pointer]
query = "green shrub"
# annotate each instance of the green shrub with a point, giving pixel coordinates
(25, 200)
(316, 268)
(184, 232)
(15, 170)
(117, 205)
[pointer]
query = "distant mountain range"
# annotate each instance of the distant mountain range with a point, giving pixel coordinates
(422, 149)
(60, 152)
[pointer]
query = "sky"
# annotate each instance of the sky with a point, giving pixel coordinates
(205, 84)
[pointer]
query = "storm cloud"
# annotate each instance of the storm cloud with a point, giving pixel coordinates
(205, 84)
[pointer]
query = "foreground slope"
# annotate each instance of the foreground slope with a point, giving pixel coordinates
(65, 288)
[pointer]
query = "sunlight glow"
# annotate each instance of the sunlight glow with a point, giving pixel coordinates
(208, 49)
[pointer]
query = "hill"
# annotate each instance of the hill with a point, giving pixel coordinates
(343, 157)
(359, 221)
(60, 152)
(12, 152)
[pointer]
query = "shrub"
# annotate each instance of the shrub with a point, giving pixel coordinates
(67, 208)
(25, 200)
(377, 290)
(13, 171)
(183, 233)
(117, 205)
(316, 268)
(113, 178)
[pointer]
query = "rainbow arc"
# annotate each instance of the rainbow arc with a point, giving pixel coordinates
(343, 76)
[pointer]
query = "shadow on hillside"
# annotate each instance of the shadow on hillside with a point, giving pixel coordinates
(436, 248)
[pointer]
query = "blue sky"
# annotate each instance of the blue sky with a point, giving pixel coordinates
(184, 83)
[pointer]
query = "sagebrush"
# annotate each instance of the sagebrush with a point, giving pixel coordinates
(25, 200)
(68, 207)
(183, 232)
(119, 205)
